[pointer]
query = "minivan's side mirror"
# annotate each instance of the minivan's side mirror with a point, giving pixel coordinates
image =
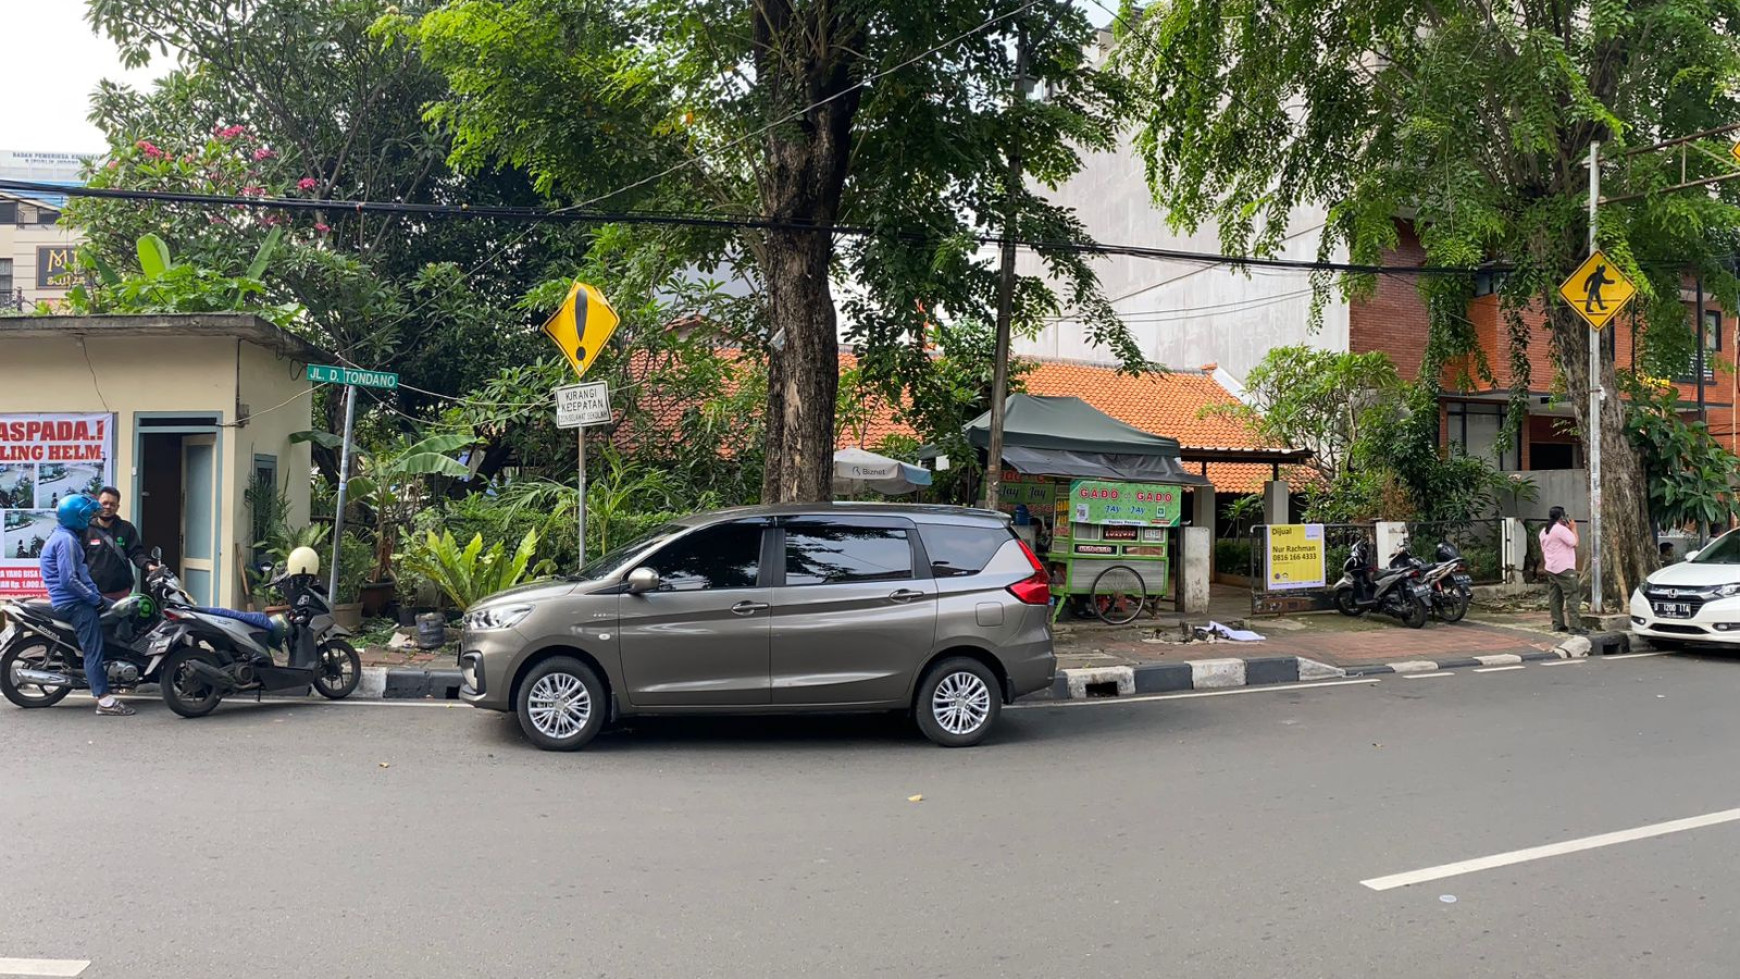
(642, 580)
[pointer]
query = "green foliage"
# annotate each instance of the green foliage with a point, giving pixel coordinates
(1241, 514)
(355, 566)
(1232, 556)
(1691, 477)
(164, 285)
(1307, 398)
(735, 107)
(470, 574)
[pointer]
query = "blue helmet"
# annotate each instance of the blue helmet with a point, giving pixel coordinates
(75, 512)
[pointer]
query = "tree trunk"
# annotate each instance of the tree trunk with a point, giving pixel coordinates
(803, 65)
(1628, 551)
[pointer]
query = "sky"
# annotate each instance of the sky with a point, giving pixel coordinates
(57, 61)
(52, 63)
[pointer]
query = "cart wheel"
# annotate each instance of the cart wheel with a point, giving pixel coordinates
(1118, 595)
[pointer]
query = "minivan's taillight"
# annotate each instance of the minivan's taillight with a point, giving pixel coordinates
(1035, 589)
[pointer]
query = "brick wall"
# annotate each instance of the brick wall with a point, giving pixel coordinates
(1393, 318)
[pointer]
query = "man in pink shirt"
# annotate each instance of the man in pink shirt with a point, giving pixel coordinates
(1559, 557)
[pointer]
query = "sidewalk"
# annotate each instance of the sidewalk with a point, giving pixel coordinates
(1325, 637)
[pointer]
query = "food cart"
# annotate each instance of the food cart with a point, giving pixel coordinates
(1097, 499)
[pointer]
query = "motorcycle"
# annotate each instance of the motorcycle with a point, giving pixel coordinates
(1393, 591)
(1452, 588)
(40, 658)
(216, 653)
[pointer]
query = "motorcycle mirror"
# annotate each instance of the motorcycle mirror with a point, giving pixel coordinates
(157, 555)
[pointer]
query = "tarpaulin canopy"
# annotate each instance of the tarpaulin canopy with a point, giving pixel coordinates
(1062, 436)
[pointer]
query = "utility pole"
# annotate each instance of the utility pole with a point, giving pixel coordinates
(1595, 397)
(1005, 292)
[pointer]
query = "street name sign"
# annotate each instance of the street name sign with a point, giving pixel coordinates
(1597, 291)
(326, 374)
(580, 405)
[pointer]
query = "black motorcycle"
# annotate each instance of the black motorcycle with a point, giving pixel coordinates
(40, 659)
(220, 653)
(1399, 592)
(1452, 588)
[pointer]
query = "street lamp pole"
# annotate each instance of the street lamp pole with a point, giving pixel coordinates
(1595, 398)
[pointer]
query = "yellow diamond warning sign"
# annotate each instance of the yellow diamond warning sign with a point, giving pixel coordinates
(1734, 151)
(1597, 291)
(582, 326)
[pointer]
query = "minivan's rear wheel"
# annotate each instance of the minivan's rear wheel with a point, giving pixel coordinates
(958, 702)
(562, 704)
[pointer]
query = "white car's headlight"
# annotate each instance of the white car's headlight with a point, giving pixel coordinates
(1728, 591)
(496, 617)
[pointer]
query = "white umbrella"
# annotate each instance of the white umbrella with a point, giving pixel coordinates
(856, 470)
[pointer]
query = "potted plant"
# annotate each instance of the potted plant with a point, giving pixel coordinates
(354, 571)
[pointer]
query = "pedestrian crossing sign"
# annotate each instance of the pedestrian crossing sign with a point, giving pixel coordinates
(1597, 291)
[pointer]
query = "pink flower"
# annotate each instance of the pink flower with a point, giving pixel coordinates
(150, 151)
(263, 154)
(322, 227)
(253, 191)
(306, 183)
(113, 164)
(230, 132)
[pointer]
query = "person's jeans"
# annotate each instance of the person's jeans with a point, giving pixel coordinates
(1564, 595)
(87, 622)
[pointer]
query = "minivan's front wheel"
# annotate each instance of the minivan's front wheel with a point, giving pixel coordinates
(958, 701)
(562, 704)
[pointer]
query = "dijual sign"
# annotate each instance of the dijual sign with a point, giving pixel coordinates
(44, 458)
(1294, 556)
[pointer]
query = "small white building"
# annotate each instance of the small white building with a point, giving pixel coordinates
(181, 413)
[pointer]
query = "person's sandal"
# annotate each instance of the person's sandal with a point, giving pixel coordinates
(117, 709)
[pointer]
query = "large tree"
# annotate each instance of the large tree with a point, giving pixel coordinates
(1473, 118)
(896, 117)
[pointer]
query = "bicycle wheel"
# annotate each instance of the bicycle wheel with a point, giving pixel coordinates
(1118, 595)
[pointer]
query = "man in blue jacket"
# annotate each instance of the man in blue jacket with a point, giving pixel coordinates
(75, 596)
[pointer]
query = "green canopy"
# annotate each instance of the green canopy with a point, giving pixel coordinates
(1066, 436)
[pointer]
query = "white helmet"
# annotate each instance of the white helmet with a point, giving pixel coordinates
(303, 560)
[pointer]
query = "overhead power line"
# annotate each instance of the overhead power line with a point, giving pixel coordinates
(725, 222)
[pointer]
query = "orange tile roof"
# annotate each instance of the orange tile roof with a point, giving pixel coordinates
(1169, 404)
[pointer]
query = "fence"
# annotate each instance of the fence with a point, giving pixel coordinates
(1480, 541)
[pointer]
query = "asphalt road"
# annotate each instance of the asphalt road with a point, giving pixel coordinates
(1195, 836)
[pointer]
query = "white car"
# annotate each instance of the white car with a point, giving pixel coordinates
(1695, 601)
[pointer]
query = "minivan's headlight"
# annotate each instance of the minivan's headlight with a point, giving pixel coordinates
(496, 617)
(1728, 591)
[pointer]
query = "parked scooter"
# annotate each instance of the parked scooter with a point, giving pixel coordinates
(1452, 588)
(215, 656)
(40, 658)
(1393, 591)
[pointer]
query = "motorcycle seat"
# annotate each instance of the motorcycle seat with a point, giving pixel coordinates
(45, 608)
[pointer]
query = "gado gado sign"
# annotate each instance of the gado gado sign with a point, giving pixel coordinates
(1126, 503)
(43, 460)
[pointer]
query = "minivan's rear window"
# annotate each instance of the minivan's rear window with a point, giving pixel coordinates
(838, 553)
(956, 550)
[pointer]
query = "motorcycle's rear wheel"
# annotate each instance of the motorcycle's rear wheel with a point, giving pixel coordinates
(185, 691)
(28, 654)
(1417, 613)
(1455, 605)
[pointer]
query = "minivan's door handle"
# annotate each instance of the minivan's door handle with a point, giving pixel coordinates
(905, 595)
(748, 608)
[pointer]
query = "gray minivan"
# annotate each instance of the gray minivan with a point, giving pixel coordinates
(942, 611)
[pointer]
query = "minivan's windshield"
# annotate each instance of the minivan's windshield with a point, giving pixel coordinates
(1723, 550)
(612, 561)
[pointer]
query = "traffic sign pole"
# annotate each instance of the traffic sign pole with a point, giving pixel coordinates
(579, 406)
(1595, 396)
(343, 483)
(581, 431)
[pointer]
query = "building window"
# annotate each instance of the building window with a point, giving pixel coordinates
(1712, 330)
(8, 212)
(1475, 427)
(46, 216)
(7, 300)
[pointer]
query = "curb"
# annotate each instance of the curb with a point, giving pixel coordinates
(407, 683)
(1219, 674)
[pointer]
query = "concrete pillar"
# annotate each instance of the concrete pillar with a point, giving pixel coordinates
(1514, 553)
(1193, 585)
(1277, 505)
(1202, 507)
(1390, 535)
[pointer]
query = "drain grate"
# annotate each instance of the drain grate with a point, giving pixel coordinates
(1108, 688)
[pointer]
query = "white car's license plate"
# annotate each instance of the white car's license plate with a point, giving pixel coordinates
(1673, 610)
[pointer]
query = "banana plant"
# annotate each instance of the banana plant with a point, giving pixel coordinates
(469, 574)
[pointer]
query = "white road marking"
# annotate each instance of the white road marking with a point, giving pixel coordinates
(1564, 662)
(1426, 676)
(1143, 698)
(1550, 850)
(43, 967)
(1633, 655)
(1498, 669)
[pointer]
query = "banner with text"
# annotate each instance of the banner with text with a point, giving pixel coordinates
(45, 458)
(1143, 504)
(1295, 556)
